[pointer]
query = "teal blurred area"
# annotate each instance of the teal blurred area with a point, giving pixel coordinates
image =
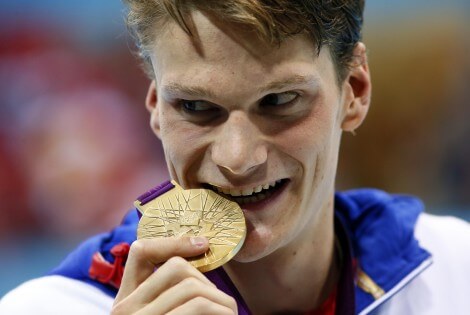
(75, 147)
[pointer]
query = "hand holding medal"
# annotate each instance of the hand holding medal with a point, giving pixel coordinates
(172, 218)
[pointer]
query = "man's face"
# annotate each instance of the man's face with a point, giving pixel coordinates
(240, 117)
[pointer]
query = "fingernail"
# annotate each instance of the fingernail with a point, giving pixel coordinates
(198, 241)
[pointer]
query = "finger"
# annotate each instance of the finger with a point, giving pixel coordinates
(187, 290)
(175, 270)
(201, 306)
(146, 254)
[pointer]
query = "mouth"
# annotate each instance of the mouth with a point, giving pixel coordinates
(250, 195)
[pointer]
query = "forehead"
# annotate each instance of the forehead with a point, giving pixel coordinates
(222, 53)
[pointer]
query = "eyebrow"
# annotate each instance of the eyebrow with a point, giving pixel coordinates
(291, 81)
(175, 88)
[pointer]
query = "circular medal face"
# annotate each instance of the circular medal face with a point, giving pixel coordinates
(196, 212)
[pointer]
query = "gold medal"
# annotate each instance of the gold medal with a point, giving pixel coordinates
(195, 212)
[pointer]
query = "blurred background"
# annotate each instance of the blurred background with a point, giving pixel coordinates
(76, 150)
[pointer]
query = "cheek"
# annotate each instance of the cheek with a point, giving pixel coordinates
(184, 147)
(173, 132)
(311, 144)
(307, 138)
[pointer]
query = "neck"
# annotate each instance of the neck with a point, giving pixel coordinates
(298, 277)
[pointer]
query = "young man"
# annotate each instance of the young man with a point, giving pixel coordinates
(250, 98)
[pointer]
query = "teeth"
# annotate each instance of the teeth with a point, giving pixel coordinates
(247, 191)
(235, 192)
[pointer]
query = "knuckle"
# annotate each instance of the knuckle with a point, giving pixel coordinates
(191, 282)
(137, 249)
(233, 304)
(193, 288)
(202, 305)
(201, 302)
(177, 262)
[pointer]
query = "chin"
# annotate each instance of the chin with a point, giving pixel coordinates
(257, 246)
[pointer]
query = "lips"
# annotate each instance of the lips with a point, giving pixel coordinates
(250, 194)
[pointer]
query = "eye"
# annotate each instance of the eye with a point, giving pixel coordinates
(198, 111)
(196, 106)
(276, 99)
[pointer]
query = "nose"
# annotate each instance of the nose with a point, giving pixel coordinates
(238, 146)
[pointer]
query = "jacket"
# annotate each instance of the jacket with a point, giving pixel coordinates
(386, 236)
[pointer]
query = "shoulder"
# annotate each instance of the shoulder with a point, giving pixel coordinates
(448, 240)
(439, 233)
(55, 295)
(443, 287)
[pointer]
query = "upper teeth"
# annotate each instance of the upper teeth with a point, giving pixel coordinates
(246, 191)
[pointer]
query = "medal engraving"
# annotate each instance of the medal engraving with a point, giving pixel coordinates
(195, 212)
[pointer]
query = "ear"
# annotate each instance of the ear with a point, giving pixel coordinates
(357, 88)
(151, 98)
(151, 101)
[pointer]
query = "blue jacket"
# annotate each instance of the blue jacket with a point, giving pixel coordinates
(379, 228)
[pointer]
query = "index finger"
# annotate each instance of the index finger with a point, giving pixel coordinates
(146, 254)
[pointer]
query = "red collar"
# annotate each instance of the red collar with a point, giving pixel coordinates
(328, 307)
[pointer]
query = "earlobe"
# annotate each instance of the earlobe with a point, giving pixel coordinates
(359, 89)
(151, 101)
